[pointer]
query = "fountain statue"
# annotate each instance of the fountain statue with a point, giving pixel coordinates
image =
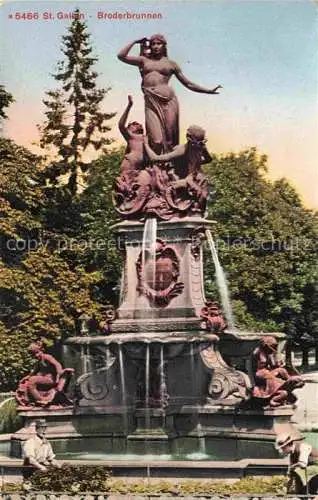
(47, 384)
(169, 370)
(274, 383)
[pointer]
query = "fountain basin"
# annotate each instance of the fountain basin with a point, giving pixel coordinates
(214, 432)
(11, 468)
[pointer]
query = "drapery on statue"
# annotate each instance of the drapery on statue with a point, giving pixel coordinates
(161, 103)
(47, 384)
(274, 383)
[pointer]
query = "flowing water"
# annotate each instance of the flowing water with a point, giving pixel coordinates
(149, 252)
(221, 283)
(123, 387)
(122, 286)
(149, 275)
(163, 386)
(86, 358)
(193, 373)
(147, 378)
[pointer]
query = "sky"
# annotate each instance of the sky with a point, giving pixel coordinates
(262, 52)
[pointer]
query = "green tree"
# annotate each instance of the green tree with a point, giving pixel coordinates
(100, 255)
(266, 240)
(75, 123)
(5, 100)
(40, 295)
(76, 132)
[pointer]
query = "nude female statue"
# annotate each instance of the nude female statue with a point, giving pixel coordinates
(161, 104)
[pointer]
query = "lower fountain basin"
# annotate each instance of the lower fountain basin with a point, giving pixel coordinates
(192, 465)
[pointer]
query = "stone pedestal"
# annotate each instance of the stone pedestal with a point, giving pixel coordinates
(177, 305)
(214, 432)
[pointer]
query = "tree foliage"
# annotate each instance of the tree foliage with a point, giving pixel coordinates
(77, 130)
(75, 122)
(98, 215)
(40, 295)
(266, 240)
(5, 100)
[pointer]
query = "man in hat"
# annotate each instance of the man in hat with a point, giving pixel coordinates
(303, 464)
(37, 451)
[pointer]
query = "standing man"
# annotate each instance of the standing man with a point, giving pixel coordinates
(37, 451)
(303, 464)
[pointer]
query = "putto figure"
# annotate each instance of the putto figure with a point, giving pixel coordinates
(133, 134)
(212, 315)
(187, 188)
(161, 103)
(47, 384)
(274, 383)
(134, 183)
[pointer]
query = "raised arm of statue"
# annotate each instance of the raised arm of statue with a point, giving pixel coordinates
(134, 60)
(193, 86)
(123, 119)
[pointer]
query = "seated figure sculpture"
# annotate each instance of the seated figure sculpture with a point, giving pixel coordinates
(274, 383)
(47, 384)
(187, 191)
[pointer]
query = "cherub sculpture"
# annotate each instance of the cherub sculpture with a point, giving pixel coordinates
(188, 190)
(274, 383)
(47, 384)
(134, 183)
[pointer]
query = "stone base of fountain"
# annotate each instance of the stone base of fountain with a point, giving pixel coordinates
(160, 383)
(208, 432)
(188, 410)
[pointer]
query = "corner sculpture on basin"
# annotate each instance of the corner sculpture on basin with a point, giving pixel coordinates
(168, 371)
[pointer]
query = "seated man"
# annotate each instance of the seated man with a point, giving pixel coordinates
(37, 451)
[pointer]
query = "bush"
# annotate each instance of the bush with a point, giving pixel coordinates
(84, 478)
(72, 478)
(11, 488)
(10, 420)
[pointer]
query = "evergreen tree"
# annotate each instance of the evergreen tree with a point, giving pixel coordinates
(98, 214)
(75, 123)
(5, 100)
